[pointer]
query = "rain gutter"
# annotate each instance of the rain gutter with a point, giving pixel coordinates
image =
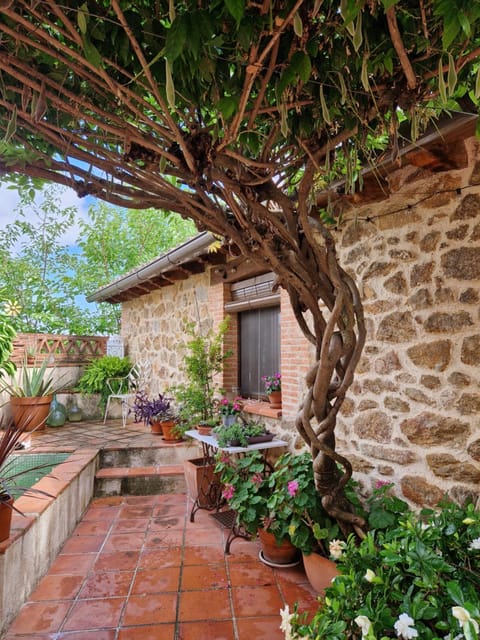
(190, 250)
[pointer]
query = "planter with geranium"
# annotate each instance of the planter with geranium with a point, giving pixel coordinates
(273, 389)
(283, 501)
(229, 409)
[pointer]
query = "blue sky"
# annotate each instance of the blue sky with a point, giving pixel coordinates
(9, 201)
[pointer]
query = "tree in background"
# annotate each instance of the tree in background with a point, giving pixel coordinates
(241, 115)
(46, 282)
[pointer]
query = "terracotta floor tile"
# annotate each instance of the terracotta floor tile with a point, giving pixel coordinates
(92, 527)
(135, 511)
(57, 587)
(204, 536)
(169, 510)
(205, 605)
(99, 634)
(150, 610)
(172, 521)
(102, 512)
(94, 614)
(83, 544)
(252, 574)
(150, 632)
(73, 563)
(39, 617)
(156, 581)
(124, 541)
(264, 628)
(256, 601)
(159, 558)
(135, 524)
(207, 629)
(106, 584)
(294, 575)
(116, 560)
(204, 555)
(211, 576)
(164, 538)
(243, 551)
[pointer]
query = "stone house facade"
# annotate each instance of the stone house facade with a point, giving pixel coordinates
(412, 415)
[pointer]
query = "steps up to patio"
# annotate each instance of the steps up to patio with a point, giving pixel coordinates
(116, 481)
(142, 471)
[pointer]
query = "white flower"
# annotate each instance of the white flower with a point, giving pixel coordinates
(369, 575)
(336, 548)
(463, 616)
(475, 544)
(365, 625)
(286, 624)
(403, 627)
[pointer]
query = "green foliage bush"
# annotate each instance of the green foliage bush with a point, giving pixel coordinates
(94, 379)
(416, 577)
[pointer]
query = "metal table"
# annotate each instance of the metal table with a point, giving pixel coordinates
(212, 498)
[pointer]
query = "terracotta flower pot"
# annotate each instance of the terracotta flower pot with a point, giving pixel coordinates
(284, 553)
(320, 571)
(5, 517)
(30, 413)
(170, 431)
(275, 399)
(156, 427)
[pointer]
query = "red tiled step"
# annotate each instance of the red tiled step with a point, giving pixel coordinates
(157, 479)
(135, 472)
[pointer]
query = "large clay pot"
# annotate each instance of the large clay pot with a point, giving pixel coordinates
(320, 571)
(170, 431)
(272, 552)
(156, 427)
(5, 517)
(203, 484)
(30, 413)
(275, 399)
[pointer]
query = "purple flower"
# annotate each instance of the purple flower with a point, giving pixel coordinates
(292, 488)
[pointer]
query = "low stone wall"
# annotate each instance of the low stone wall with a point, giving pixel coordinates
(37, 537)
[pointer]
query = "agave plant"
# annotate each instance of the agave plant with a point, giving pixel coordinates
(34, 382)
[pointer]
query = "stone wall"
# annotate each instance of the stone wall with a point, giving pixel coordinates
(412, 416)
(153, 326)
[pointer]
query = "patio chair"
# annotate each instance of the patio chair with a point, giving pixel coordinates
(125, 388)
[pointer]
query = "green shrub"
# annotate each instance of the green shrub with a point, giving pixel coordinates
(417, 577)
(98, 372)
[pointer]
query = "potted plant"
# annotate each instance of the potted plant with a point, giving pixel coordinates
(31, 395)
(203, 360)
(273, 389)
(416, 575)
(282, 502)
(229, 409)
(153, 412)
(241, 433)
(11, 441)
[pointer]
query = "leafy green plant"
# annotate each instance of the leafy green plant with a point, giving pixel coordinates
(204, 359)
(34, 382)
(7, 334)
(283, 500)
(94, 379)
(417, 577)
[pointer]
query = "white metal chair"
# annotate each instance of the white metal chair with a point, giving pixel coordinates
(125, 389)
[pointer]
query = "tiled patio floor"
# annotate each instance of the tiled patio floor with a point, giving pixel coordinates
(136, 568)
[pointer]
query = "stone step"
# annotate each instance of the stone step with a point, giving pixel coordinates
(154, 455)
(145, 480)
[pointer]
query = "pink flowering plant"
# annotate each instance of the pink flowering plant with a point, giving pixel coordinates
(416, 575)
(228, 407)
(282, 500)
(272, 383)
